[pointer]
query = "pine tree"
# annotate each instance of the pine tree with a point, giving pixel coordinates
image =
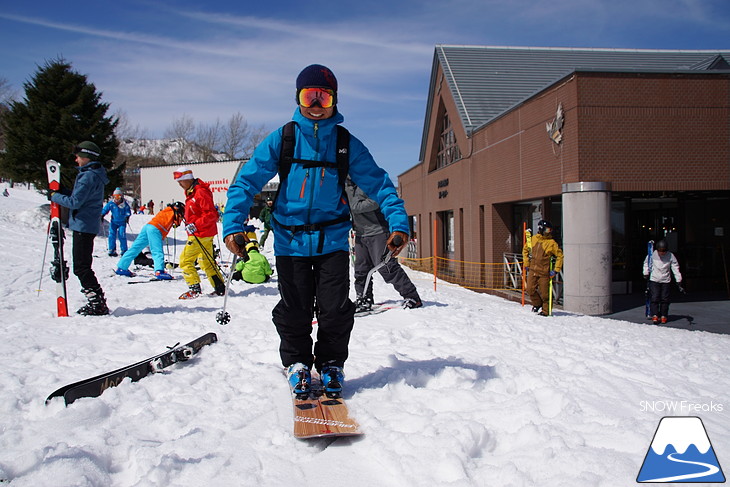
(60, 109)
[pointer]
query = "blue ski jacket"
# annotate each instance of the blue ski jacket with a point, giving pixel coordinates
(86, 199)
(120, 212)
(311, 196)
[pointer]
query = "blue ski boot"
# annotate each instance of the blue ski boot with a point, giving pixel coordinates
(332, 379)
(300, 380)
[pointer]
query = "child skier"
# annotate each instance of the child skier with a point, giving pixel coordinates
(121, 212)
(256, 269)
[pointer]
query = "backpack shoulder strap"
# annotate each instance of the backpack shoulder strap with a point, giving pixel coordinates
(286, 156)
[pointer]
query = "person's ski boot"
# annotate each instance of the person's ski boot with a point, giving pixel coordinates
(96, 305)
(300, 380)
(124, 272)
(332, 379)
(363, 303)
(163, 276)
(192, 293)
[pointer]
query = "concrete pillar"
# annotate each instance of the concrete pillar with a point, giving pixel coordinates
(587, 247)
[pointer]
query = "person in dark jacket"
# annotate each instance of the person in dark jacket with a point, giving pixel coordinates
(311, 224)
(265, 217)
(371, 234)
(85, 203)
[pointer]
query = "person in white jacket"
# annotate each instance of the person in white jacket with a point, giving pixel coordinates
(659, 274)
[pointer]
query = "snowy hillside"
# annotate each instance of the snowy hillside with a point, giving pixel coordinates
(172, 151)
(470, 390)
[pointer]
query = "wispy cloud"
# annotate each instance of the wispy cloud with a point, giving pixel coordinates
(163, 42)
(342, 33)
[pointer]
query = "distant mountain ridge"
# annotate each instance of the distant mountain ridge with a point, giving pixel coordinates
(169, 151)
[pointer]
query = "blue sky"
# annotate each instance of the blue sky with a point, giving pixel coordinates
(158, 61)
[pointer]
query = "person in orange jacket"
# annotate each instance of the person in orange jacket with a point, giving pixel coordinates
(152, 236)
(201, 223)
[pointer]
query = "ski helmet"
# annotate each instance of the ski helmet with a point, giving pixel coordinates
(544, 226)
(661, 245)
(252, 246)
(179, 208)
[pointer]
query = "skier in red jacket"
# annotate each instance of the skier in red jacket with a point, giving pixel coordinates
(201, 223)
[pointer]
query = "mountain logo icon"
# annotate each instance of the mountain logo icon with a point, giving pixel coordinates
(681, 452)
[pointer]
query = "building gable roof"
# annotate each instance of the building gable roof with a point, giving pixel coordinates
(487, 81)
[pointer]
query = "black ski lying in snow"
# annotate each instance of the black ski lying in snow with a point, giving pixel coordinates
(95, 386)
(151, 279)
(59, 268)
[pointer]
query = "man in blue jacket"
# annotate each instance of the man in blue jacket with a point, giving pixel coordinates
(121, 212)
(311, 223)
(85, 202)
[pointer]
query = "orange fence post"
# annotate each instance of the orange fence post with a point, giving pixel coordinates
(524, 241)
(435, 263)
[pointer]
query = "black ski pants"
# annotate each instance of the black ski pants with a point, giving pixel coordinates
(303, 281)
(83, 248)
(659, 293)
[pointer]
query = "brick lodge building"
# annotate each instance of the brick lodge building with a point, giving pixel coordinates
(614, 147)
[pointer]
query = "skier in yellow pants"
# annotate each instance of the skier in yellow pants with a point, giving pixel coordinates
(200, 250)
(201, 223)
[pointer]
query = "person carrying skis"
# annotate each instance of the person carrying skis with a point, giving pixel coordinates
(254, 270)
(311, 223)
(265, 217)
(201, 223)
(152, 235)
(85, 202)
(663, 265)
(371, 233)
(121, 212)
(537, 264)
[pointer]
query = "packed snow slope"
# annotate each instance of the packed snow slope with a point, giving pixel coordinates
(468, 390)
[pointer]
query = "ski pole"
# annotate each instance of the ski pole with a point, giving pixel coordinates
(223, 317)
(43, 264)
(550, 294)
(207, 255)
(387, 255)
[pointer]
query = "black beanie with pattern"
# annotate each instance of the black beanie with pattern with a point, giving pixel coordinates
(316, 75)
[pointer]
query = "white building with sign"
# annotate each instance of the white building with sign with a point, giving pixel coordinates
(158, 184)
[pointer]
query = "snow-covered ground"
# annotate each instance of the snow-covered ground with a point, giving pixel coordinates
(469, 390)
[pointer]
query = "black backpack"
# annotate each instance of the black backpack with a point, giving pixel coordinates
(342, 164)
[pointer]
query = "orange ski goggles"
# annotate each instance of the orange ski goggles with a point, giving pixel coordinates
(324, 97)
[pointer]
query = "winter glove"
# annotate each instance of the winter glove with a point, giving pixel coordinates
(191, 228)
(236, 243)
(397, 242)
(50, 195)
(553, 274)
(681, 288)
